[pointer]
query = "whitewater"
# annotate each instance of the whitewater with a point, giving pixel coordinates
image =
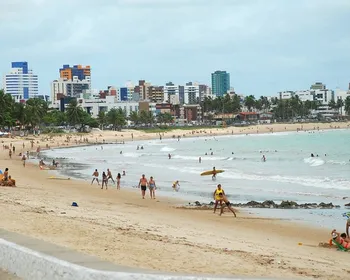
(289, 173)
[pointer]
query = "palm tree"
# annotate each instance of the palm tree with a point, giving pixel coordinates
(249, 102)
(134, 117)
(6, 105)
(35, 110)
(116, 117)
(19, 113)
(340, 104)
(74, 113)
(347, 105)
(102, 119)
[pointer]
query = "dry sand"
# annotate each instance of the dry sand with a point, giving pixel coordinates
(121, 227)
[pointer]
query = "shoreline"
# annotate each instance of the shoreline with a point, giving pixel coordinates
(120, 227)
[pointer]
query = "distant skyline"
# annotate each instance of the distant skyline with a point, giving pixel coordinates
(266, 45)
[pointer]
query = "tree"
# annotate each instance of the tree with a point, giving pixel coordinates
(102, 119)
(6, 109)
(19, 113)
(332, 104)
(116, 117)
(143, 117)
(347, 105)
(134, 117)
(54, 117)
(340, 105)
(35, 110)
(74, 113)
(249, 102)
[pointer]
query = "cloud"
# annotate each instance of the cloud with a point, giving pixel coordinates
(266, 45)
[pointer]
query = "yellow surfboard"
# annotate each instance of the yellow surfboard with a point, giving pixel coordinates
(211, 172)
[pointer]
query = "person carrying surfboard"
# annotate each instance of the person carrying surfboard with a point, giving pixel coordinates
(214, 174)
(216, 196)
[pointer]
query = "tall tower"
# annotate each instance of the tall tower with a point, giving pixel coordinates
(220, 83)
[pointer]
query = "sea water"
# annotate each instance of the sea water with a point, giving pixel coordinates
(289, 172)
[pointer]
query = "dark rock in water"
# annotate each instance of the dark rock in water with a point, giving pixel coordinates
(323, 205)
(253, 204)
(288, 204)
(211, 203)
(197, 203)
(347, 204)
(268, 204)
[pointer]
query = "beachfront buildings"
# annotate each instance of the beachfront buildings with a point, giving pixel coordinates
(191, 93)
(220, 83)
(21, 82)
(171, 93)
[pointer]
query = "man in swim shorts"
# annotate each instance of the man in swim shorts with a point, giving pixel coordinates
(109, 175)
(95, 177)
(228, 204)
(143, 184)
(216, 196)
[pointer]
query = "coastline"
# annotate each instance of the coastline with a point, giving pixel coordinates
(122, 228)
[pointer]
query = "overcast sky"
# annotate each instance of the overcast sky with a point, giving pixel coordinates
(266, 45)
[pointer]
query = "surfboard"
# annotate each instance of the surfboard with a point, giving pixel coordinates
(211, 172)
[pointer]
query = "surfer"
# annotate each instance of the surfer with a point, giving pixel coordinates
(216, 196)
(109, 175)
(214, 174)
(228, 204)
(95, 177)
(143, 184)
(152, 187)
(176, 186)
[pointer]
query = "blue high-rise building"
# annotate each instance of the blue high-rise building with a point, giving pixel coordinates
(124, 94)
(220, 83)
(21, 83)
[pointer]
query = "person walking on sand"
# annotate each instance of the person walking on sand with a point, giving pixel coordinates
(228, 204)
(24, 158)
(152, 188)
(95, 177)
(104, 180)
(118, 181)
(143, 184)
(217, 197)
(10, 154)
(109, 175)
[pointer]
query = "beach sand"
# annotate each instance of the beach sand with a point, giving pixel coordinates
(120, 227)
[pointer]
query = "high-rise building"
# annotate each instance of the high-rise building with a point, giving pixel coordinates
(156, 94)
(69, 88)
(79, 71)
(191, 93)
(21, 83)
(170, 90)
(220, 83)
(318, 85)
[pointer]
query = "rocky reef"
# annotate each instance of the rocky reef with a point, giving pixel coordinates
(271, 204)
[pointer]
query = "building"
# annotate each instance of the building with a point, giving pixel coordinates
(143, 89)
(191, 113)
(79, 71)
(342, 95)
(170, 90)
(220, 83)
(70, 88)
(318, 85)
(155, 94)
(191, 93)
(21, 82)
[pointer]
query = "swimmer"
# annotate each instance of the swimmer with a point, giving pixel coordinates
(263, 158)
(176, 186)
(169, 156)
(124, 173)
(200, 160)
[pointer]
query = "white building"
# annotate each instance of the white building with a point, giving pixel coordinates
(342, 94)
(170, 90)
(191, 93)
(21, 83)
(70, 88)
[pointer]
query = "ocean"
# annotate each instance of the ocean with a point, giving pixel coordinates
(289, 172)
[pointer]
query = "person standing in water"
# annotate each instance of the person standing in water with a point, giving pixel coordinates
(217, 197)
(214, 174)
(143, 184)
(118, 181)
(109, 175)
(176, 186)
(104, 180)
(152, 187)
(95, 177)
(200, 160)
(263, 158)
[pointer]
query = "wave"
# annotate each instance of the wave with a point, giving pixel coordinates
(314, 161)
(204, 158)
(337, 162)
(167, 149)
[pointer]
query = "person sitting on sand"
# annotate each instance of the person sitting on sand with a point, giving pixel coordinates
(6, 175)
(228, 204)
(176, 186)
(337, 238)
(216, 196)
(344, 236)
(95, 177)
(11, 182)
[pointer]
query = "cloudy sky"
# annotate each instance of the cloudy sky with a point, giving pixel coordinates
(266, 45)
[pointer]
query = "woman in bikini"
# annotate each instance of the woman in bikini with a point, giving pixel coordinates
(104, 180)
(118, 181)
(152, 187)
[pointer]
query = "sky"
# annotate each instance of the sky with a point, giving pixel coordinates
(266, 45)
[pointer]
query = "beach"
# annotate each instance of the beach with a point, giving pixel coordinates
(155, 234)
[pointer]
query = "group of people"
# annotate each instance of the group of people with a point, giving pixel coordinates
(151, 184)
(106, 177)
(343, 239)
(6, 180)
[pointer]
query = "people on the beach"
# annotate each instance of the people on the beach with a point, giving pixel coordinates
(118, 181)
(109, 175)
(347, 226)
(10, 154)
(152, 187)
(176, 186)
(24, 158)
(143, 184)
(337, 238)
(104, 180)
(263, 158)
(227, 203)
(217, 197)
(169, 156)
(95, 177)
